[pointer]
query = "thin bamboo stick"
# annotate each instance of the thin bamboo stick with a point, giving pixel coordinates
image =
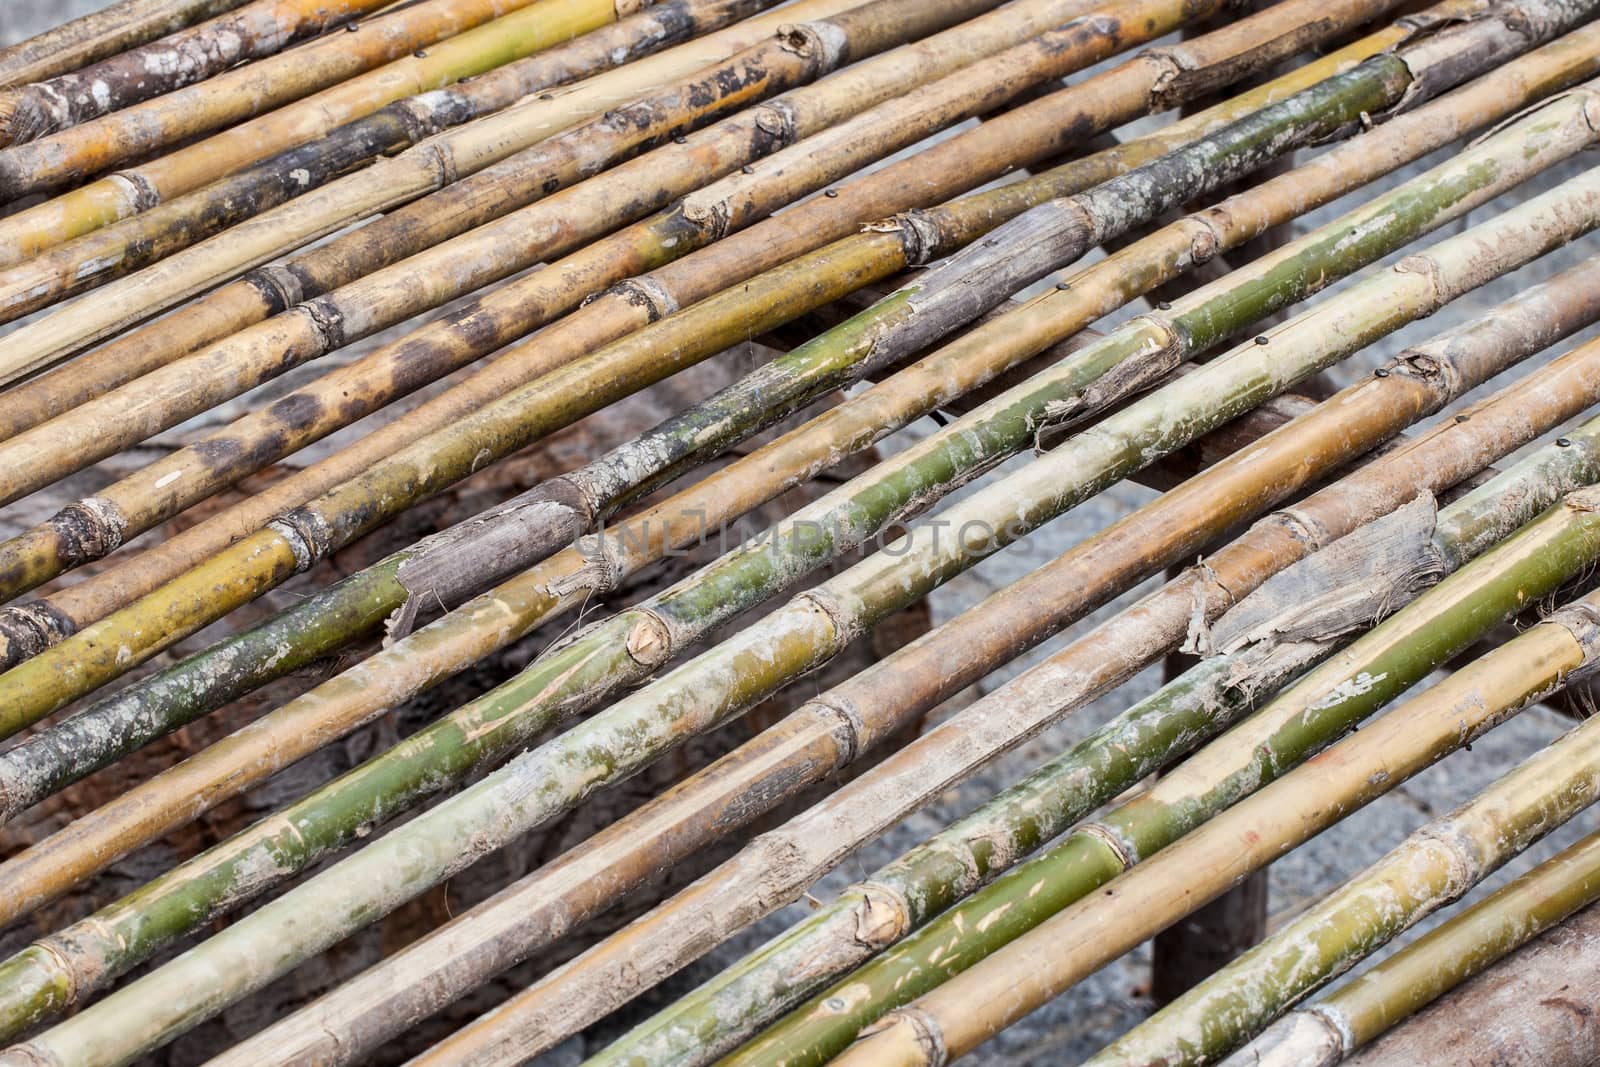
(356, 73)
(1466, 945)
(721, 682)
(813, 744)
(195, 54)
(88, 261)
(877, 253)
(944, 65)
(226, 672)
(558, 774)
(1540, 795)
(390, 185)
(630, 646)
(100, 34)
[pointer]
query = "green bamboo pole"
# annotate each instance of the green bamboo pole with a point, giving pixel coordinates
(555, 225)
(633, 731)
(183, 58)
(297, 538)
(346, 76)
(900, 897)
(95, 258)
(1467, 944)
(533, 525)
(392, 186)
(574, 576)
(1430, 869)
(100, 34)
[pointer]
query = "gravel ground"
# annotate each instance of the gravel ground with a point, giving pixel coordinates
(1075, 1025)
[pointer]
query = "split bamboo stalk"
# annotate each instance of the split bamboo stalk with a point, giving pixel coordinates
(100, 34)
(719, 683)
(837, 109)
(815, 743)
(195, 54)
(1324, 1033)
(1539, 795)
(356, 73)
(877, 253)
(91, 260)
(632, 732)
(226, 672)
(390, 185)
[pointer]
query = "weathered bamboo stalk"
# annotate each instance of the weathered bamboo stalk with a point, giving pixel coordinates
(347, 76)
(102, 33)
(226, 672)
(94, 258)
(629, 647)
(697, 695)
(1470, 942)
(1519, 1011)
(261, 29)
(835, 110)
(552, 778)
(880, 252)
(1293, 809)
(390, 186)
(813, 744)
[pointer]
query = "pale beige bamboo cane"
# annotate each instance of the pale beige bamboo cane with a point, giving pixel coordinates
(388, 184)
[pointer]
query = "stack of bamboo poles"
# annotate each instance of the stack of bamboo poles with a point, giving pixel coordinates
(278, 274)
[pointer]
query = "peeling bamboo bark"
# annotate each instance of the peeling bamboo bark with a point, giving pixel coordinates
(1468, 944)
(389, 186)
(100, 34)
(557, 224)
(1520, 1011)
(195, 54)
(1444, 860)
(794, 639)
(347, 76)
(224, 673)
(91, 260)
(876, 253)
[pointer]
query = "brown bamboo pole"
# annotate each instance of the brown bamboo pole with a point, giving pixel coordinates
(939, 1027)
(91, 260)
(1470, 942)
(183, 58)
(99, 34)
(576, 574)
(346, 76)
(429, 168)
(1037, 130)
(848, 108)
(819, 741)
(1521, 1011)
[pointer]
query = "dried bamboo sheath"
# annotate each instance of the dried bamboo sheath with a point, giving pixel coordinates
(260, 29)
(103, 33)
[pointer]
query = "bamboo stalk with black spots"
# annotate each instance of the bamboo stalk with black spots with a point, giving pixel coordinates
(99, 34)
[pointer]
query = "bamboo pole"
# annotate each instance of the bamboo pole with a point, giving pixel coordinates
(696, 696)
(815, 743)
(346, 76)
(1540, 795)
(188, 56)
(559, 774)
(953, 84)
(214, 677)
(879, 252)
(1467, 944)
(1519, 1011)
(429, 168)
(100, 34)
(88, 261)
